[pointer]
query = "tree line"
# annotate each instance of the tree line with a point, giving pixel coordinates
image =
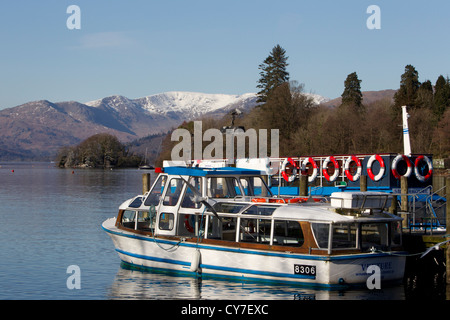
(353, 126)
(102, 150)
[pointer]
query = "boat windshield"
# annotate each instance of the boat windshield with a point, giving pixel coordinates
(223, 187)
(230, 187)
(255, 186)
(356, 235)
(155, 194)
(228, 207)
(261, 210)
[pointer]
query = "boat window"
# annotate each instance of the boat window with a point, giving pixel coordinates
(374, 235)
(136, 203)
(223, 187)
(321, 233)
(188, 200)
(173, 192)
(225, 230)
(396, 233)
(154, 196)
(128, 219)
(191, 225)
(260, 210)
(228, 207)
(255, 230)
(255, 186)
(344, 235)
(287, 233)
(166, 221)
(146, 221)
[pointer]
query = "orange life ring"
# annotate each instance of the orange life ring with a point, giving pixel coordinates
(310, 160)
(279, 200)
(347, 168)
(283, 170)
(259, 200)
(369, 167)
(394, 166)
(325, 169)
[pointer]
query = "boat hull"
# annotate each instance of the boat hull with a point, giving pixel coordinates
(146, 252)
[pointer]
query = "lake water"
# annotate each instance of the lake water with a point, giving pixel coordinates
(51, 219)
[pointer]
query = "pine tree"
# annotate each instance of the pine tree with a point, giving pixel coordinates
(425, 95)
(273, 73)
(441, 96)
(407, 93)
(352, 96)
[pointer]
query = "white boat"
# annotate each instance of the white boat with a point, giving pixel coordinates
(224, 222)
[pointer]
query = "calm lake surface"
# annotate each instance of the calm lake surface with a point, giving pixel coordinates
(51, 219)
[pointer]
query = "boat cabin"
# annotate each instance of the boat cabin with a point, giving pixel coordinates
(234, 207)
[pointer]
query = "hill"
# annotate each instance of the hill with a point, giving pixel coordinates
(368, 97)
(37, 129)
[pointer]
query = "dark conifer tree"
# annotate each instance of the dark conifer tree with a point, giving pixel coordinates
(441, 96)
(273, 72)
(425, 95)
(407, 93)
(352, 96)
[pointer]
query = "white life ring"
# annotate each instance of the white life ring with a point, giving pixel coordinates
(394, 166)
(325, 169)
(380, 174)
(310, 160)
(347, 168)
(283, 170)
(416, 168)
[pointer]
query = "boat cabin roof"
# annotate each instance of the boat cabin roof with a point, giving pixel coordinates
(202, 172)
(326, 213)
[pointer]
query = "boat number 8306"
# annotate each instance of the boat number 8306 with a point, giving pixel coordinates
(305, 270)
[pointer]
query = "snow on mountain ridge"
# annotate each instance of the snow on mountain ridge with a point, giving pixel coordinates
(191, 104)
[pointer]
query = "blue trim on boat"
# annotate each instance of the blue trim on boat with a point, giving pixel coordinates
(218, 268)
(240, 279)
(201, 172)
(256, 252)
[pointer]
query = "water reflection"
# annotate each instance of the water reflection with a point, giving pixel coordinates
(138, 285)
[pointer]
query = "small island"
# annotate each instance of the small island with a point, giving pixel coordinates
(101, 150)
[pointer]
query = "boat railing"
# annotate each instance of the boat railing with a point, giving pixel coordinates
(421, 209)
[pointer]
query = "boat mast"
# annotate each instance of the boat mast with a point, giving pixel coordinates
(406, 140)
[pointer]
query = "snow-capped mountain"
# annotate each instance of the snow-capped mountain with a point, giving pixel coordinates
(42, 127)
(190, 104)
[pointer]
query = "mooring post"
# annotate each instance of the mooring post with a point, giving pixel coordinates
(263, 190)
(145, 182)
(447, 223)
(303, 189)
(363, 183)
(404, 200)
(393, 207)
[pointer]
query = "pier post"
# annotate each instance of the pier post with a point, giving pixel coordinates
(263, 190)
(447, 224)
(393, 207)
(404, 200)
(363, 183)
(303, 189)
(145, 182)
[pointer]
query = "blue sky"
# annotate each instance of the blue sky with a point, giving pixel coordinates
(138, 48)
